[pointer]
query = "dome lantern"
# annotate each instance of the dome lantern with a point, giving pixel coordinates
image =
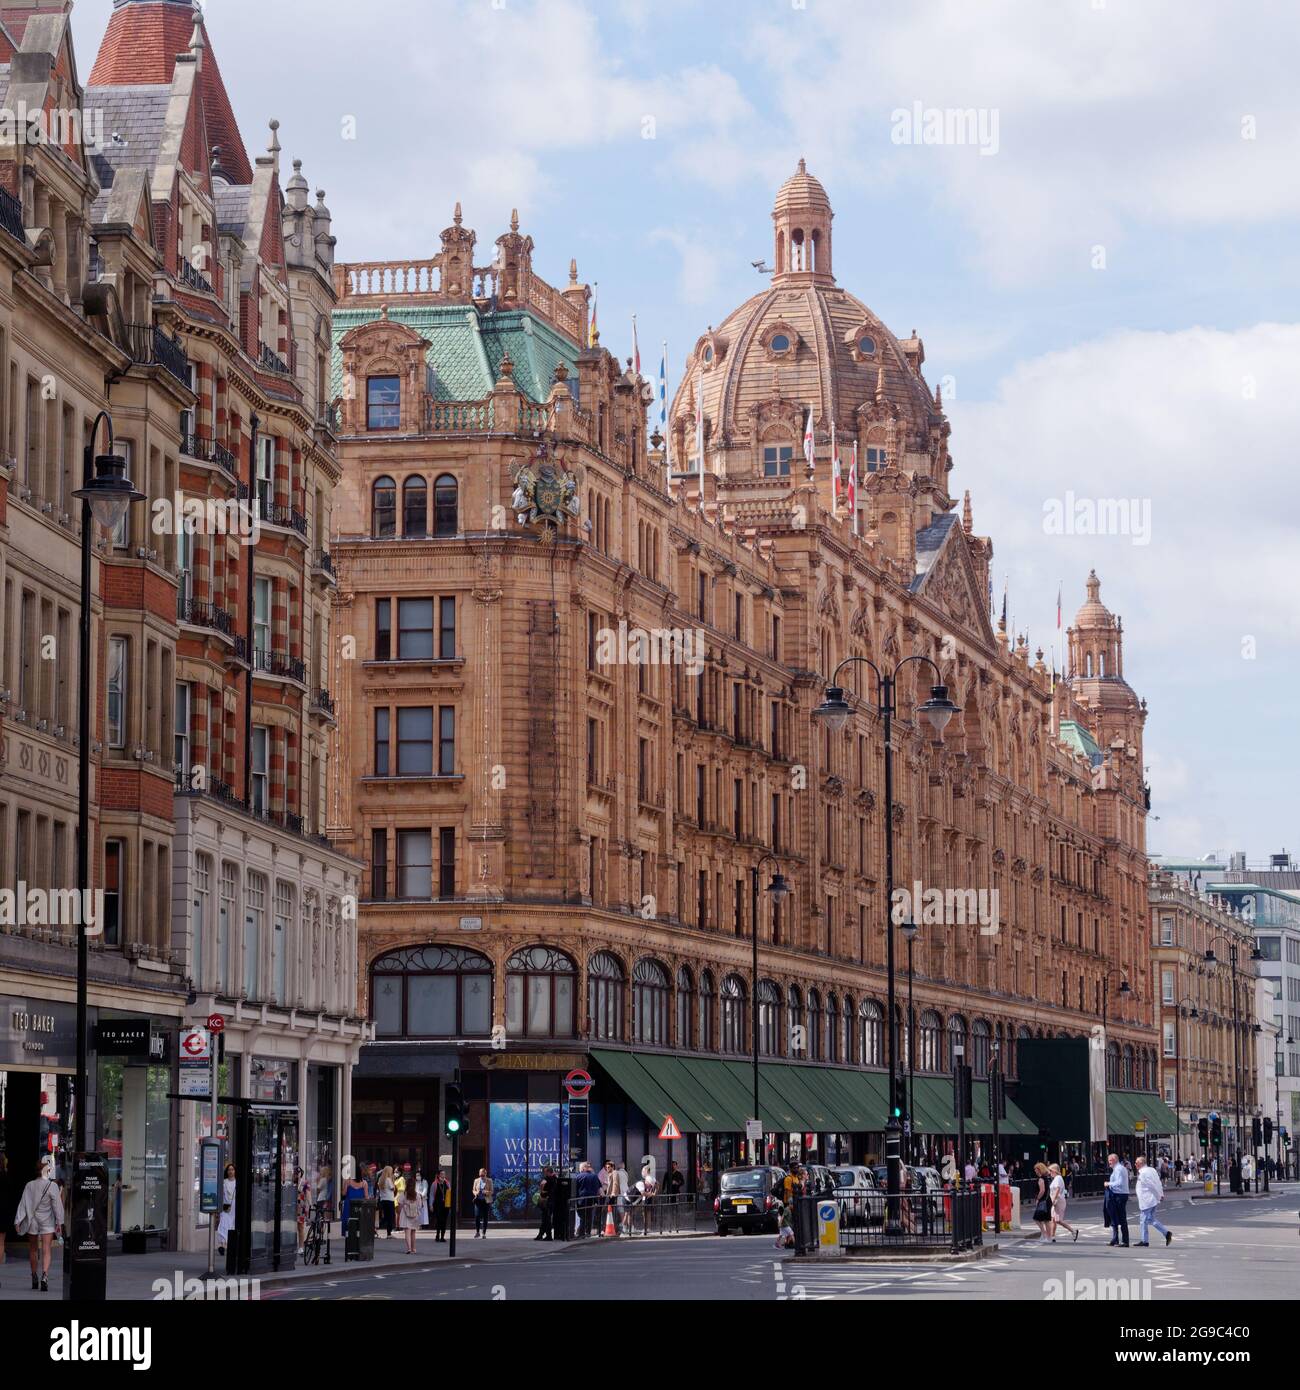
(802, 217)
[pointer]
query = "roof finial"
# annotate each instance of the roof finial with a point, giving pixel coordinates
(880, 382)
(514, 219)
(273, 149)
(456, 216)
(197, 42)
(573, 271)
(966, 521)
(803, 167)
(938, 396)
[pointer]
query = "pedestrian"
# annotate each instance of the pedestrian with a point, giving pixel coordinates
(624, 1196)
(545, 1203)
(39, 1218)
(1150, 1193)
(785, 1231)
(354, 1190)
(1057, 1194)
(969, 1172)
(303, 1188)
(422, 1192)
(227, 1222)
(386, 1191)
(408, 1216)
(614, 1193)
(586, 1193)
(482, 1194)
(1178, 1172)
(1043, 1205)
(1117, 1190)
(8, 1205)
(440, 1204)
(676, 1180)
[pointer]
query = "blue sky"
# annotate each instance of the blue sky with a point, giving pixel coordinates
(1162, 369)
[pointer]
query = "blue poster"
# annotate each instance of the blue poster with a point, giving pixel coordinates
(524, 1139)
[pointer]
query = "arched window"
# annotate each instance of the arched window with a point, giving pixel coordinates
(605, 997)
(929, 1040)
(650, 1004)
(769, 1019)
(539, 993)
(1126, 1076)
(685, 1009)
(797, 1033)
(849, 1022)
(383, 507)
(732, 995)
(957, 1038)
(706, 1038)
(814, 1026)
(981, 1044)
(873, 1030)
(832, 1028)
(432, 992)
(1112, 1065)
(415, 506)
(446, 506)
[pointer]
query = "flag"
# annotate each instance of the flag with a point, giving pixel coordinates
(1059, 587)
(853, 488)
(593, 330)
(836, 479)
(699, 423)
(1004, 602)
(663, 392)
(808, 442)
(636, 351)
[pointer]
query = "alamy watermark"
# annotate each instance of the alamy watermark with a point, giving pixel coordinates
(62, 126)
(656, 646)
(52, 907)
(207, 516)
(1072, 1290)
(1098, 516)
(204, 1290)
(951, 907)
(919, 124)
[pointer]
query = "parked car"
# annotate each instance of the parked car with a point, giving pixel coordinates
(749, 1199)
(919, 1179)
(819, 1180)
(859, 1202)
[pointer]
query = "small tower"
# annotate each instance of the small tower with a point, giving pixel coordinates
(802, 217)
(456, 260)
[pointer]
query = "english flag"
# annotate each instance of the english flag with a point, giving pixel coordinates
(853, 488)
(809, 444)
(836, 479)
(699, 423)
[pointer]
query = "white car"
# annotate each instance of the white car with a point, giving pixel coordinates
(856, 1187)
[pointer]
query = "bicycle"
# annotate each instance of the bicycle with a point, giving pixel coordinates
(318, 1237)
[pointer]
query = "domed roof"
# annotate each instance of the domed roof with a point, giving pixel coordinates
(1094, 612)
(801, 190)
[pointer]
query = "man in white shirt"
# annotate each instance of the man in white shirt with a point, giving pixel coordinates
(1117, 1195)
(1150, 1193)
(969, 1172)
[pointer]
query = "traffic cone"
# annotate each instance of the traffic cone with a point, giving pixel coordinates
(609, 1221)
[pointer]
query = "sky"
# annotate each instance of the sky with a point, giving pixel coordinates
(1102, 263)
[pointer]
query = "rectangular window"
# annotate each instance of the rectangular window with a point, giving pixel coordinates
(776, 461)
(114, 887)
(738, 807)
(446, 629)
(261, 770)
(253, 918)
(702, 906)
(1170, 1039)
(447, 862)
(876, 459)
(382, 741)
(181, 736)
(1166, 931)
(383, 403)
(1167, 986)
(415, 742)
(414, 864)
(415, 629)
(262, 614)
(280, 941)
(383, 629)
(593, 753)
(379, 864)
(446, 741)
(642, 766)
(117, 691)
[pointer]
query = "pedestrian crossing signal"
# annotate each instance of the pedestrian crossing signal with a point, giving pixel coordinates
(456, 1117)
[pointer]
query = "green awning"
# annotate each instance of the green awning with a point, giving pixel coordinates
(1126, 1109)
(934, 1110)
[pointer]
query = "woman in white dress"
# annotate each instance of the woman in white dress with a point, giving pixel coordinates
(227, 1222)
(422, 1192)
(39, 1217)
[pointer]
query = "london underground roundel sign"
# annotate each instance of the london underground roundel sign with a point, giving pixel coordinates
(578, 1083)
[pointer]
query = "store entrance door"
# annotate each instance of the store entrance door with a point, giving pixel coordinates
(33, 1122)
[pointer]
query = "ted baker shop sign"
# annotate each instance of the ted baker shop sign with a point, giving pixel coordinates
(35, 1029)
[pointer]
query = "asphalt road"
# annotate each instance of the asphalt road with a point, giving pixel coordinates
(1226, 1249)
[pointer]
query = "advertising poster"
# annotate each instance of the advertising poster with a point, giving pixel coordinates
(525, 1137)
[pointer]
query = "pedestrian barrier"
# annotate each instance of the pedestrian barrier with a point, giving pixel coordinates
(910, 1220)
(659, 1215)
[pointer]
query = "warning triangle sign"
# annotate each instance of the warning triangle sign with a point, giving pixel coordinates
(670, 1130)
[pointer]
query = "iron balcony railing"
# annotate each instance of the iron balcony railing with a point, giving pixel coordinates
(276, 514)
(321, 700)
(325, 564)
(272, 361)
(151, 347)
(209, 451)
(11, 215)
(280, 664)
(207, 615)
(194, 279)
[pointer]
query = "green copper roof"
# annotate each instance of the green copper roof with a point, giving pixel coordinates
(466, 346)
(1080, 739)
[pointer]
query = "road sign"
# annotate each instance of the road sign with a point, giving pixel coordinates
(670, 1130)
(216, 1023)
(754, 1131)
(195, 1059)
(578, 1083)
(195, 1045)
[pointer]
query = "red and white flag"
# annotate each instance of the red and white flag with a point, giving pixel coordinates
(699, 424)
(636, 351)
(809, 443)
(853, 488)
(836, 479)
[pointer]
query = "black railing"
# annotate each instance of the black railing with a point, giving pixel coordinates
(11, 215)
(272, 361)
(657, 1215)
(332, 417)
(205, 615)
(870, 1219)
(209, 451)
(276, 513)
(325, 564)
(321, 700)
(280, 664)
(151, 347)
(194, 279)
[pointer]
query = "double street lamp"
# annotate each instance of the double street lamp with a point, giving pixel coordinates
(778, 890)
(834, 713)
(1178, 1062)
(1212, 959)
(910, 930)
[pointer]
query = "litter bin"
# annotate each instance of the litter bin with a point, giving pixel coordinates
(561, 1226)
(359, 1238)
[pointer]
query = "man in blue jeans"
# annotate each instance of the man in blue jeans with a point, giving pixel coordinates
(1150, 1193)
(1117, 1192)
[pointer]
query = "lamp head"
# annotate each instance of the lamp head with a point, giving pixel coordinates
(938, 709)
(834, 710)
(109, 492)
(779, 887)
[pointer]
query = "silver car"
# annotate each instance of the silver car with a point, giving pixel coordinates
(857, 1189)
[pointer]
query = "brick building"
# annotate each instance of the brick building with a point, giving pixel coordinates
(575, 737)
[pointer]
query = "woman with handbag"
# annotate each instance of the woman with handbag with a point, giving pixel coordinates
(227, 1222)
(1043, 1209)
(40, 1216)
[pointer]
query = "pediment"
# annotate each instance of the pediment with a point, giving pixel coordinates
(949, 581)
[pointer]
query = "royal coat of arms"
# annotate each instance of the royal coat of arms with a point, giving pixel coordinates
(544, 494)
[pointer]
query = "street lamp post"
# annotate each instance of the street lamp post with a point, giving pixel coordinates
(1178, 1063)
(1123, 992)
(834, 712)
(106, 494)
(1212, 959)
(779, 890)
(909, 930)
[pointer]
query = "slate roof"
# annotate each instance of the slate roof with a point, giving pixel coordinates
(138, 115)
(232, 207)
(929, 542)
(466, 346)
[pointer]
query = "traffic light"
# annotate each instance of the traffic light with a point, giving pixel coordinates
(1203, 1130)
(998, 1095)
(455, 1113)
(1268, 1129)
(1256, 1132)
(1216, 1132)
(962, 1097)
(900, 1097)
(1286, 1137)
